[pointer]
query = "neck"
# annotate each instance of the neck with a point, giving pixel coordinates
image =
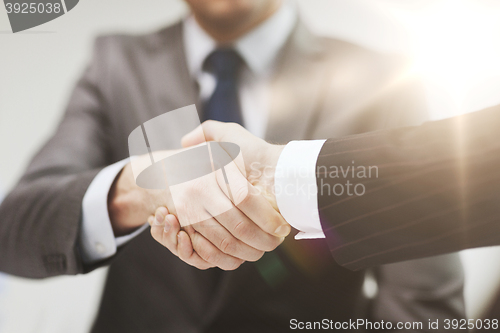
(227, 32)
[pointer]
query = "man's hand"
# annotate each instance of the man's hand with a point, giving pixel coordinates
(129, 205)
(260, 157)
(192, 247)
(189, 245)
(226, 240)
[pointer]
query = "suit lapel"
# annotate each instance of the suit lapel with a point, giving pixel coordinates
(174, 87)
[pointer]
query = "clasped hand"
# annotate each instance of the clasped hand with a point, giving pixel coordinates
(249, 223)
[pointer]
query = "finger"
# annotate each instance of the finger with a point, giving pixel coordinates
(187, 253)
(231, 231)
(219, 236)
(161, 213)
(211, 254)
(248, 232)
(252, 203)
(258, 209)
(233, 185)
(165, 232)
(196, 136)
(150, 220)
(210, 130)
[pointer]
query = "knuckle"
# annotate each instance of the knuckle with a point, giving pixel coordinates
(119, 209)
(241, 194)
(273, 222)
(209, 255)
(209, 123)
(162, 210)
(234, 126)
(241, 230)
(228, 245)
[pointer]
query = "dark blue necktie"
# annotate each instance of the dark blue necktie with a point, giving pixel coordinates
(224, 104)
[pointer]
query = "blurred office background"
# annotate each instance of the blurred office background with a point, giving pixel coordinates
(455, 45)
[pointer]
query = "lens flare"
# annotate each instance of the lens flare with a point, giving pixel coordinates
(456, 50)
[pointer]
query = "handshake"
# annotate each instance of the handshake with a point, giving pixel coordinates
(250, 223)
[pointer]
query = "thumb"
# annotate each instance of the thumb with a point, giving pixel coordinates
(210, 130)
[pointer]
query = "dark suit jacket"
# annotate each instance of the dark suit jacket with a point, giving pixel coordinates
(321, 85)
(437, 191)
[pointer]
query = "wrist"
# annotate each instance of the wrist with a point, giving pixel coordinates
(268, 162)
(126, 207)
(274, 155)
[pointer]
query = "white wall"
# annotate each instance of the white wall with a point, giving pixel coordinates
(38, 69)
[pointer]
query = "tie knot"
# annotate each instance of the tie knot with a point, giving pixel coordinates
(224, 62)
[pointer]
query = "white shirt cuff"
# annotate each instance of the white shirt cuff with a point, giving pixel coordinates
(97, 240)
(296, 188)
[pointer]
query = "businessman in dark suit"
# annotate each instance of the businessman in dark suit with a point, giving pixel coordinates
(436, 190)
(72, 211)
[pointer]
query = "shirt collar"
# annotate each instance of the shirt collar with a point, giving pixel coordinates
(259, 47)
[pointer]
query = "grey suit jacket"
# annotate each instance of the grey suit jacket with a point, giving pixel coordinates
(321, 87)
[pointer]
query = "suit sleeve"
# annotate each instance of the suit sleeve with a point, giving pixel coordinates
(40, 218)
(421, 191)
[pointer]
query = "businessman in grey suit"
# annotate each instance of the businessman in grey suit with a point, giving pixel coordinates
(66, 215)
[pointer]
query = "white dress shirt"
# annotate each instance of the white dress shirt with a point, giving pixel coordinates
(296, 188)
(259, 48)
